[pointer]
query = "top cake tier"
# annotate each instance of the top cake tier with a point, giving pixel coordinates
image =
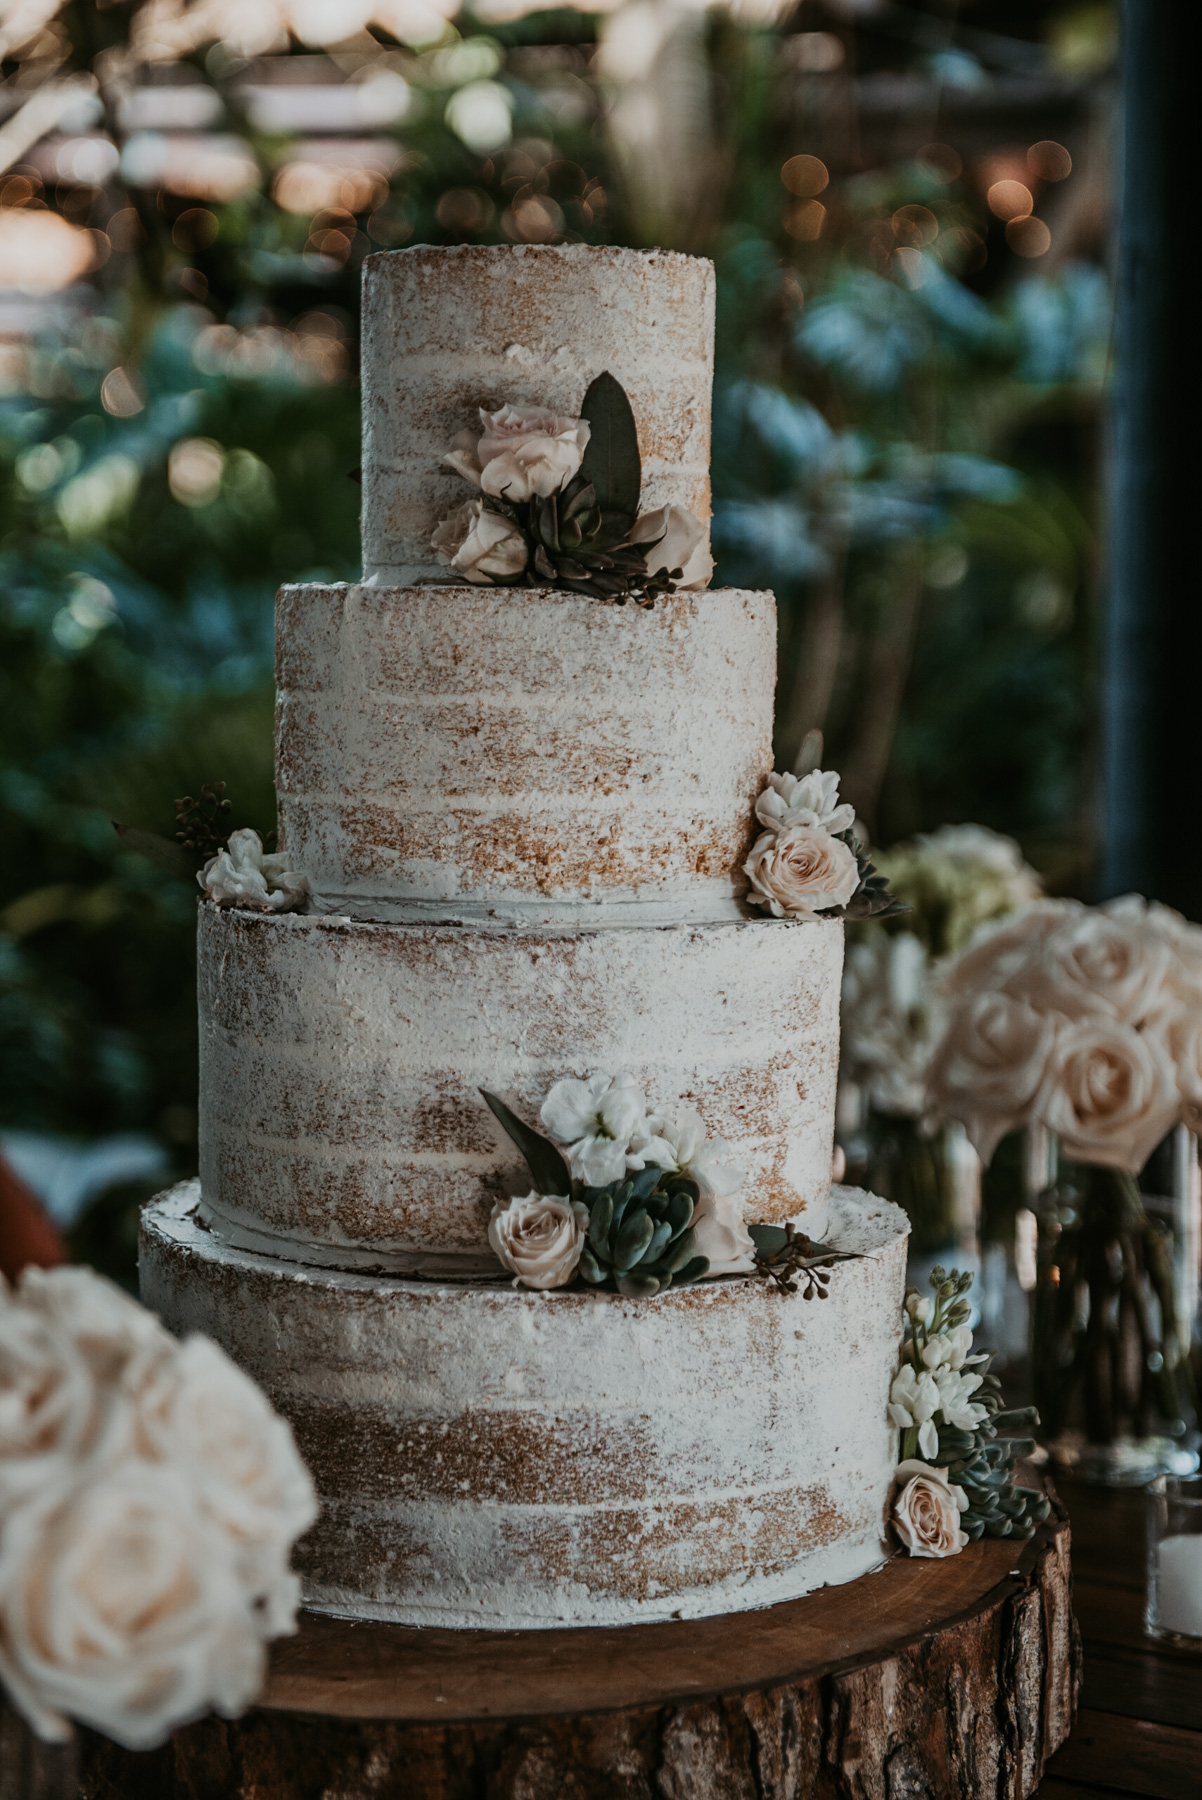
(448, 331)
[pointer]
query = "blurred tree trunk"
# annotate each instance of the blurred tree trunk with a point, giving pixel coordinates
(1152, 795)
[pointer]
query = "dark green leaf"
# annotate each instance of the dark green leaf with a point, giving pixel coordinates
(600, 1218)
(680, 1210)
(768, 1238)
(611, 462)
(632, 1240)
(680, 1252)
(692, 1271)
(644, 1182)
(172, 857)
(637, 1286)
(547, 1166)
(659, 1238)
(590, 1268)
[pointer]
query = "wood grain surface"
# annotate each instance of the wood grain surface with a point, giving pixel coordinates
(920, 1682)
(1139, 1732)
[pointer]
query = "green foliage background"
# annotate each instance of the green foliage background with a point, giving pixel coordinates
(904, 450)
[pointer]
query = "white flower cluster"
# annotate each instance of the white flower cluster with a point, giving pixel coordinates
(1087, 1020)
(241, 875)
(524, 452)
(889, 1021)
(955, 879)
(799, 866)
(149, 1500)
(607, 1129)
(938, 1389)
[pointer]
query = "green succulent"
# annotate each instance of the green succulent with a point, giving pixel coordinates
(640, 1235)
(578, 545)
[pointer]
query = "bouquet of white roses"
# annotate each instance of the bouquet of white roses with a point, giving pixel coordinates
(149, 1500)
(1087, 1020)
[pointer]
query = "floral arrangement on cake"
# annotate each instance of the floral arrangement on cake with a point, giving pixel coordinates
(637, 1200)
(956, 1479)
(1086, 1020)
(232, 867)
(149, 1500)
(806, 863)
(557, 505)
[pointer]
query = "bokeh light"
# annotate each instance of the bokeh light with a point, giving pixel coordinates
(41, 252)
(1028, 237)
(1049, 160)
(1010, 199)
(194, 470)
(805, 176)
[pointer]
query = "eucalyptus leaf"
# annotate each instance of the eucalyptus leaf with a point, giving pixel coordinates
(768, 1238)
(172, 857)
(611, 464)
(549, 1170)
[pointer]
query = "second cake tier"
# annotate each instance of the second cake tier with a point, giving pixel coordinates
(341, 1062)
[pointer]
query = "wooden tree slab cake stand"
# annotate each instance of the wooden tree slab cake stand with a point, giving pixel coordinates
(923, 1681)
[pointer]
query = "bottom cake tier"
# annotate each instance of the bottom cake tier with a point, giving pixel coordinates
(488, 1456)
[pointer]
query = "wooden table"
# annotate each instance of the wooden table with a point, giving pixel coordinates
(1139, 1728)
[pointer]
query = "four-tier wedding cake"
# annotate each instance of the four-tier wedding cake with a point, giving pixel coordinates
(532, 850)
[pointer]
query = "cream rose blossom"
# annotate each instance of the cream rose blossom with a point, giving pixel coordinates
(1094, 964)
(989, 1065)
(120, 1607)
(1000, 951)
(676, 540)
(539, 1239)
(800, 871)
(481, 545)
(1109, 1093)
(926, 1511)
(720, 1234)
(50, 1406)
(242, 875)
(149, 1497)
(521, 451)
(200, 1413)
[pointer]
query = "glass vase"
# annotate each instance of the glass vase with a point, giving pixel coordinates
(1113, 1321)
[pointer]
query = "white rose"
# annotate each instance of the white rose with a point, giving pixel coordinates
(522, 451)
(597, 1119)
(1093, 964)
(539, 1239)
(676, 1141)
(120, 1606)
(480, 545)
(1183, 988)
(811, 799)
(721, 1235)
(913, 1402)
(241, 875)
(999, 951)
(676, 540)
(988, 1066)
(101, 1318)
(50, 1405)
(1109, 1093)
(205, 1417)
(800, 871)
(926, 1511)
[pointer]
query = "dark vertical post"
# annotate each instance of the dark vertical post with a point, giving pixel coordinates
(1152, 686)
